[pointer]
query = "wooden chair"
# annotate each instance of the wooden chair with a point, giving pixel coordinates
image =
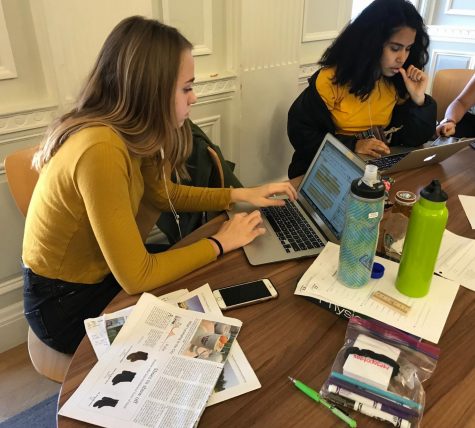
(447, 85)
(22, 178)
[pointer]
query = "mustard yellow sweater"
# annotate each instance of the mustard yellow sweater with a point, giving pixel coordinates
(351, 115)
(81, 223)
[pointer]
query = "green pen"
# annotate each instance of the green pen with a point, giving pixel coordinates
(314, 395)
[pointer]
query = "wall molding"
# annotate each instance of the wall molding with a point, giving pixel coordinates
(213, 100)
(439, 53)
(205, 48)
(305, 71)
(13, 326)
(451, 10)
(426, 8)
(41, 117)
(27, 119)
(21, 140)
(211, 126)
(215, 86)
(319, 35)
(445, 33)
(313, 36)
(11, 285)
(7, 62)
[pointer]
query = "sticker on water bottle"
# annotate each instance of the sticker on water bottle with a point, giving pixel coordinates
(373, 215)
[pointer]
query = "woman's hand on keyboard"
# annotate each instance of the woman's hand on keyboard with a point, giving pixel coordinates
(372, 147)
(240, 230)
(264, 196)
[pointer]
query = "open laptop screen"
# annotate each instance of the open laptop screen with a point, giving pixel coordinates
(327, 184)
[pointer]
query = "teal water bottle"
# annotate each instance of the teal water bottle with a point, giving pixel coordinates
(364, 209)
(421, 246)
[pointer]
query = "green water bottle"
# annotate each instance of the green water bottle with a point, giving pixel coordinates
(421, 246)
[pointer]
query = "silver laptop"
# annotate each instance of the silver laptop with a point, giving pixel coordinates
(319, 211)
(402, 158)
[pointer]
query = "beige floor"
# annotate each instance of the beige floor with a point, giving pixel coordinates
(21, 386)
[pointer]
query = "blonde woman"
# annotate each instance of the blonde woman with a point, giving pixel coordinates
(100, 165)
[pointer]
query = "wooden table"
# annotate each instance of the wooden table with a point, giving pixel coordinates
(291, 336)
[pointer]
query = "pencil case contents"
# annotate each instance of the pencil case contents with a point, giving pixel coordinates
(379, 372)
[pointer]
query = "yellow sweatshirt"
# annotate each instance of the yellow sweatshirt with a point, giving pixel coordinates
(81, 222)
(351, 115)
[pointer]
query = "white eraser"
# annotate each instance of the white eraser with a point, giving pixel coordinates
(366, 342)
(367, 369)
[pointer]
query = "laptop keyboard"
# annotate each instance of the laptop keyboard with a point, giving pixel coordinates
(293, 231)
(387, 161)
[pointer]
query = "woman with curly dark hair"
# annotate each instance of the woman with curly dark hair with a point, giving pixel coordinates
(370, 89)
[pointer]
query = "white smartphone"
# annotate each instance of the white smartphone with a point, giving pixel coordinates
(244, 294)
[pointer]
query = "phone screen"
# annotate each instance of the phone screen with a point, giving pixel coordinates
(242, 293)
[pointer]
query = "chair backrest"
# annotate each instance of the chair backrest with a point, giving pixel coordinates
(21, 177)
(447, 85)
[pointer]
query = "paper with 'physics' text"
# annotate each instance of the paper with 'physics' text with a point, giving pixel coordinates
(425, 319)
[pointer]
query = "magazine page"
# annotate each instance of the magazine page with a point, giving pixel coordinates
(237, 376)
(151, 375)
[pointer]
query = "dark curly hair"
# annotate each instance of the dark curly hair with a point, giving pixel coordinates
(357, 51)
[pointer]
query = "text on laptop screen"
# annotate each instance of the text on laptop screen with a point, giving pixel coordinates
(328, 184)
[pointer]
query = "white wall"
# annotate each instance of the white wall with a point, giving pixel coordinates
(252, 59)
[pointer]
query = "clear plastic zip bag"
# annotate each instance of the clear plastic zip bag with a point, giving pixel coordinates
(379, 372)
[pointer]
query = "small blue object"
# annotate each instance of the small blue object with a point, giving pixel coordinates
(378, 270)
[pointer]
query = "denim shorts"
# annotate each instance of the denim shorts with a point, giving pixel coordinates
(56, 309)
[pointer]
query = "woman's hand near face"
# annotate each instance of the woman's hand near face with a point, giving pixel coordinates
(416, 83)
(263, 196)
(372, 147)
(239, 231)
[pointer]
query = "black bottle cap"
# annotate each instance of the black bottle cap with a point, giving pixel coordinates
(433, 192)
(360, 188)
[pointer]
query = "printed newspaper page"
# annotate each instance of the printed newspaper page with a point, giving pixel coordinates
(151, 375)
(237, 377)
(102, 330)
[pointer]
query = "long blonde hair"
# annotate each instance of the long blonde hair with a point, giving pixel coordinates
(131, 89)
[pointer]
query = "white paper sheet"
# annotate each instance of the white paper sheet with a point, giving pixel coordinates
(456, 260)
(425, 319)
(151, 375)
(468, 204)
